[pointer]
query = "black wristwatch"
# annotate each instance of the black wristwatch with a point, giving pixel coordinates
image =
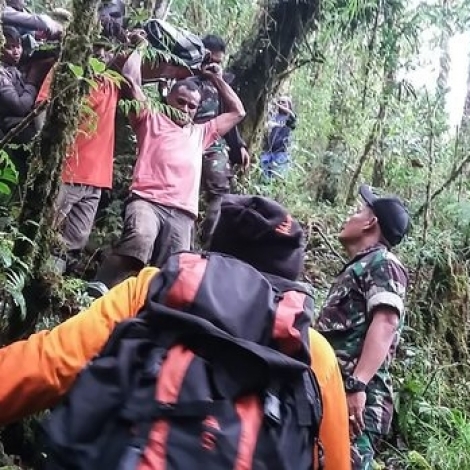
(353, 384)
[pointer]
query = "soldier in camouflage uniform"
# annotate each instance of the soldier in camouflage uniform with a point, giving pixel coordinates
(363, 316)
(217, 159)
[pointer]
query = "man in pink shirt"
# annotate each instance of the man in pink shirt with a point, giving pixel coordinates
(163, 203)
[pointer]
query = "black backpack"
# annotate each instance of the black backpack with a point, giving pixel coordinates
(214, 373)
(184, 45)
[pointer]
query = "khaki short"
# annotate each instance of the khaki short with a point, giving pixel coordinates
(76, 207)
(152, 231)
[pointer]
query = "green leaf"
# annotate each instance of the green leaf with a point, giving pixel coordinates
(77, 70)
(9, 174)
(97, 66)
(4, 188)
(92, 83)
(19, 300)
(5, 256)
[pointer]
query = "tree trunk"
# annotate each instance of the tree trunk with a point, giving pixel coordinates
(2, 38)
(155, 8)
(279, 29)
(444, 59)
(331, 169)
(465, 120)
(370, 144)
(370, 53)
(48, 152)
(378, 172)
(161, 8)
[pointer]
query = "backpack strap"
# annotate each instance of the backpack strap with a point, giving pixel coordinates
(136, 410)
(290, 332)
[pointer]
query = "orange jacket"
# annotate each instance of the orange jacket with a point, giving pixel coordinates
(37, 372)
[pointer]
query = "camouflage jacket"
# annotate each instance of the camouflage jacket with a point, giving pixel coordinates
(209, 108)
(373, 278)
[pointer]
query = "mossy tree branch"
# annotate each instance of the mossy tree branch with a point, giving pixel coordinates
(2, 38)
(62, 119)
(48, 152)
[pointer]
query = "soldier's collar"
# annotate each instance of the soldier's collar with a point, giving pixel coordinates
(366, 251)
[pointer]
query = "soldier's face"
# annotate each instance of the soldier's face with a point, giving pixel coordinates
(217, 57)
(357, 224)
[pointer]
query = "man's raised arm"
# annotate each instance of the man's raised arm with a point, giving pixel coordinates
(234, 110)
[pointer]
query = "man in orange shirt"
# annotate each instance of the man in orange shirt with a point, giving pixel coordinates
(88, 167)
(51, 360)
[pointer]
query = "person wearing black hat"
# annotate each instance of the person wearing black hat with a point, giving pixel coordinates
(363, 315)
(262, 233)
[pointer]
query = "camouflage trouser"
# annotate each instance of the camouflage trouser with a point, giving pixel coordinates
(216, 173)
(216, 176)
(363, 450)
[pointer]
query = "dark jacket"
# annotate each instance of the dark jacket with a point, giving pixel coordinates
(16, 97)
(27, 22)
(280, 133)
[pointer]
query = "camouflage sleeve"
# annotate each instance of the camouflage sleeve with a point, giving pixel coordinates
(385, 285)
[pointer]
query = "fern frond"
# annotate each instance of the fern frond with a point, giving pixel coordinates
(14, 285)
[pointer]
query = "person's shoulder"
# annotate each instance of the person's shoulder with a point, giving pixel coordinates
(323, 358)
(383, 258)
(383, 267)
(146, 275)
(321, 348)
(7, 73)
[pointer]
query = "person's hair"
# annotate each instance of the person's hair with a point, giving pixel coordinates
(187, 83)
(286, 98)
(11, 33)
(214, 43)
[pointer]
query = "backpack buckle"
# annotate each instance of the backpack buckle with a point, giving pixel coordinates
(272, 408)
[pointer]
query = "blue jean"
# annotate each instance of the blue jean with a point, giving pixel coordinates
(274, 164)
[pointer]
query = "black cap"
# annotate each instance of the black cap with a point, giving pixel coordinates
(391, 213)
(260, 232)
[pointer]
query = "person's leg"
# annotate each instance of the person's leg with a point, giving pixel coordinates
(77, 225)
(175, 236)
(363, 451)
(214, 203)
(216, 175)
(265, 161)
(280, 164)
(69, 195)
(134, 249)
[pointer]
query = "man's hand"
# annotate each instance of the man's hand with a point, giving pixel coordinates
(212, 71)
(356, 405)
(246, 159)
(137, 37)
(54, 28)
(285, 109)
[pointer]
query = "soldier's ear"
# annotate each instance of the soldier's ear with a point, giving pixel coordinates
(371, 222)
